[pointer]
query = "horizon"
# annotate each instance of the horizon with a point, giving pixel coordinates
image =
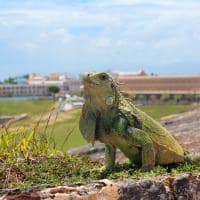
(76, 75)
(161, 37)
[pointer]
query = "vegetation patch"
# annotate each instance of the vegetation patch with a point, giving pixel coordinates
(62, 169)
(33, 151)
(31, 107)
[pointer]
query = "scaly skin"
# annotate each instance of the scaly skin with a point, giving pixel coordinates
(109, 117)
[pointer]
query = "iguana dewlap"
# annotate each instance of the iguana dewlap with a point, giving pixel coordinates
(109, 117)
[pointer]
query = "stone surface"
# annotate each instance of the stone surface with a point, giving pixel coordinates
(7, 120)
(182, 187)
(187, 187)
(186, 128)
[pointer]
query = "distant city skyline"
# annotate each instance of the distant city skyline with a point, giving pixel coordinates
(75, 36)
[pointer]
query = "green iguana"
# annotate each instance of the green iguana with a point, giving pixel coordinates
(112, 119)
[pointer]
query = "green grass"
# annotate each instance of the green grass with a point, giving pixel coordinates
(31, 107)
(40, 110)
(64, 131)
(60, 169)
(159, 111)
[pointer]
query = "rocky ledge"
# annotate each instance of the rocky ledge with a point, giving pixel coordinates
(181, 187)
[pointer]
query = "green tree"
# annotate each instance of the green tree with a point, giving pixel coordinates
(10, 81)
(177, 98)
(165, 97)
(26, 76)
(53, 90)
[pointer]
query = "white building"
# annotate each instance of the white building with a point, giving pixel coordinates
(63, 81)
(37, 85)
(23, 90)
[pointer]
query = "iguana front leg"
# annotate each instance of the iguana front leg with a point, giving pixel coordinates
(110, 154)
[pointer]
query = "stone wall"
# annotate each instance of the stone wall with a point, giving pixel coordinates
(182, 187)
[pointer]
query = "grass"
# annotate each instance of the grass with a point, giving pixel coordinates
(31, 107)
(40, 111)
(159, 111)
(29, 148)
(65, 131)
(61, 169)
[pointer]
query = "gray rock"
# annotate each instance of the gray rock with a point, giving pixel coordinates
(169, 188)
(187, 187)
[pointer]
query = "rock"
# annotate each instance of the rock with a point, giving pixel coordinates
(186, 128)
(187, 187)
(145, 189)
(23, 196)
(7, 120)
(169, 188)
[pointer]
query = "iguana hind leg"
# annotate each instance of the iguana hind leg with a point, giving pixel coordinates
(141, 139)
(148, 157)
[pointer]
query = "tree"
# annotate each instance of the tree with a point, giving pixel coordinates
(165, 97)
(10, 81)
(53, 90)
(25, 76)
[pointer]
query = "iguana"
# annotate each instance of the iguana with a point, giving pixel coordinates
(107, 116)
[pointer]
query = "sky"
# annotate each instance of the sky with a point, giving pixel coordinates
(75, 36)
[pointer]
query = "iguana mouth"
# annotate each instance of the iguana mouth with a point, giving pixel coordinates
(88, 81)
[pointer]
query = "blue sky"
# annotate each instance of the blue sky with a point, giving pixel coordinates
(96, 35)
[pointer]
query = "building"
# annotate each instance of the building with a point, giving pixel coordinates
(73, 84)
(37, 85)
(63, 81)
(128, 74)
(36, 79)
(160, 84)
(20, 79)
(23, 90)
(55, 77)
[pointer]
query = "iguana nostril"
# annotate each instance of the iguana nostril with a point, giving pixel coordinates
(86, 76)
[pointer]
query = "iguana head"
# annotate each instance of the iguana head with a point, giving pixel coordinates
(100, 90)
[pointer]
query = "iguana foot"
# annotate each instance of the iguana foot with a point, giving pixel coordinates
(146, 168)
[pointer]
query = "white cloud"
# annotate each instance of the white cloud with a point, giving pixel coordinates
(29, 46)
(60, 34)
(102, 42)
(134, 31)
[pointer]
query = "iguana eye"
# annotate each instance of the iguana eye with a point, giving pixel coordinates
(103, 77)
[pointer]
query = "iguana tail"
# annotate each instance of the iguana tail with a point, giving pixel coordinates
(193, 157)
